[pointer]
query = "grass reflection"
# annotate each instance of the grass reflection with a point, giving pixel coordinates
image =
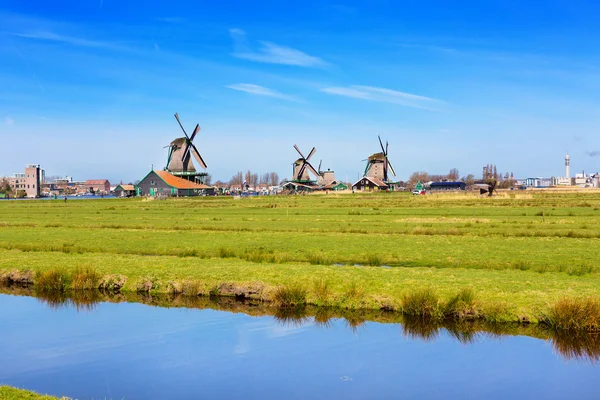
(569, 344)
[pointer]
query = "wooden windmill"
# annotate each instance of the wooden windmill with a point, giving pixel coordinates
(378, 165)
(181, 151)
(302, 166)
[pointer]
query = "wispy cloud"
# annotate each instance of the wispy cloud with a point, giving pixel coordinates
(384, 95)
(50, 36)
(272, 53)
(594, 153)
(9, 121)
(259, 90)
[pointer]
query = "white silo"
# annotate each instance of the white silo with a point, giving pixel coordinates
(567, 166)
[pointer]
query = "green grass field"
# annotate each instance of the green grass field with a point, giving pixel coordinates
(520, 253)
(9, 393)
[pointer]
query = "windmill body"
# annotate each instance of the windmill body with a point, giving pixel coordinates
(379, 166)
(181, 152)
(302, 167)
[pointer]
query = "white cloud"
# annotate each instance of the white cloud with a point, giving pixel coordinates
(49, 36)
(384, 95)
(9, 121)
(272, 53)
(259, 90)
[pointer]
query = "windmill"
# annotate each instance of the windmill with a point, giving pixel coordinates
(181, 151)
(378, 164)
(302, 166)
(325, 178)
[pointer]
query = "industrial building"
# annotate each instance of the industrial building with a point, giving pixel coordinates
(27, 184)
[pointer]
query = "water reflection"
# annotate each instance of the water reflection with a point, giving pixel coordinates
(570, 345)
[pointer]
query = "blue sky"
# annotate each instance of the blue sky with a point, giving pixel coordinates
(90, 87)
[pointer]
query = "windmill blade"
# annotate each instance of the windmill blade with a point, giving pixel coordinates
(320, 161)
(181, 126)
(186, 152)
(391, 168)
(196, 130)
(197, 156)
(381, 144)
(299, 152)
(386, 148)
(311, 168)
(311, 153)
(301, 171)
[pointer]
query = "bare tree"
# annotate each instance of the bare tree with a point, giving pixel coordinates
(453, 175)
(273, 178)
(419, 176)
(207, 179)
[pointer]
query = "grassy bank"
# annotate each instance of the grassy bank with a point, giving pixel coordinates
(511, 258)
(10, 393)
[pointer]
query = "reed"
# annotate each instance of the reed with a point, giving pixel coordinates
(462, 306)
(422, 302)
(85, 278)
(56, 280)
(575, 314)
(289, 296)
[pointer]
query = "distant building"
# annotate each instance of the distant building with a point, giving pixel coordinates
(29, 183)
(561, 181)
(97, 186)
(124, 191)
(538, 182)
(369, 183)
(164, 183)
(447, 186)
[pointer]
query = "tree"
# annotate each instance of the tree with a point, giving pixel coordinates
(470, 180)
(419, 176)
(264, 178)
(453, 175)
(273, 178)
(5, 187)
(237, 179)
(207, 179)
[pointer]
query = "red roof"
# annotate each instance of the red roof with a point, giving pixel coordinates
(376, 181)
(179, 183)
(97, 182)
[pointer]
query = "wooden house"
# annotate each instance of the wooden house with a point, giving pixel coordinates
(158, 183)
(124, 191)
(369, 183)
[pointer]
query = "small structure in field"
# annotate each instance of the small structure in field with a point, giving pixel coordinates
(163, 183)
(370, 184)
(124, 191)
(447, 186)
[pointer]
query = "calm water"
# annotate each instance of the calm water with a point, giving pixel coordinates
(135, 351)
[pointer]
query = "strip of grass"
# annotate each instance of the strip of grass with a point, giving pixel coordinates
(11, 393)
(507, 258)
(501, 295)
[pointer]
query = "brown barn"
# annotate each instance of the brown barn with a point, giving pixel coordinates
(124, 191)
(97, 186)
(370, 183)
(163, 183)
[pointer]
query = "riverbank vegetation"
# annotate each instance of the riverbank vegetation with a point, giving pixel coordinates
(11, 393)
(515, 257)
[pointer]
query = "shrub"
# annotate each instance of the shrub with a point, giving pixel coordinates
(462, 306)
(85, 278)
(576, 314)
(422, 303)
(52, 280)
(226, 253)
(318, 259)
(322, 290)
(191, 288)
(289, 296)
(374, 260)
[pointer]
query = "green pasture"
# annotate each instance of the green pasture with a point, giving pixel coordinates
(519, 252)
